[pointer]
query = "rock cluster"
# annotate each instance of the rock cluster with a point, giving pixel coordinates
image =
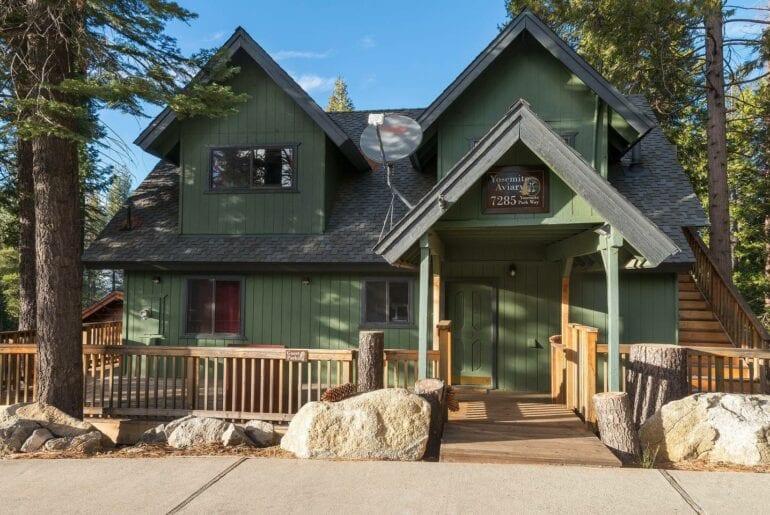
(387, 424)
(31, 427)
(714, 427)
(191, 431)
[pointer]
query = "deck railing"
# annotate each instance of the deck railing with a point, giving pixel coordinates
(96, 333)
(575, 370)
(730, 308)
(226, 382)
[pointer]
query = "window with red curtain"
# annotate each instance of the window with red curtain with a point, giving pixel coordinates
(213, 306)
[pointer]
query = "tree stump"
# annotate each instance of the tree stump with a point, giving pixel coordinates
(371, 346)
(657, 374)
(434, 391)
(616, 425)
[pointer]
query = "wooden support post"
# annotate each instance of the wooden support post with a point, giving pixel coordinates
(565, 279)
(445, 351)
(610, 253)
(371, 353)
(558, 385)
(437, 308)
(424, 326)
(571, 355)
(587, 353)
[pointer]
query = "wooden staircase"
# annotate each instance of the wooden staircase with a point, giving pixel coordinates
(698, 326)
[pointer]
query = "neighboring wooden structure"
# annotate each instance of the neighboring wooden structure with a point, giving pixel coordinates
(107, 309)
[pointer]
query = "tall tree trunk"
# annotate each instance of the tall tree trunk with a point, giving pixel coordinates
(57, 235)
(52, 34)
(27, 272)
(719, 211)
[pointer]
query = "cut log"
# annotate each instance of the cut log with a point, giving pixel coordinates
(616, 425)
(371, 347)
(657, 374)
(434, 391)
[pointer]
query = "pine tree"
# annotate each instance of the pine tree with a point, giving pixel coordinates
(339, 101)
(65, 60)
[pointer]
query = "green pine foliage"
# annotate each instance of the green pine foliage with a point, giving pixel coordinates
(127, 61)
(339, 101)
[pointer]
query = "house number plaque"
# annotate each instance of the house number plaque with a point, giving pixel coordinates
(296, 355)
(516, 189)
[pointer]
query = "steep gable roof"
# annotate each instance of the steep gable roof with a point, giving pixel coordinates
(526, 21)
(520, 123)
(241, 40)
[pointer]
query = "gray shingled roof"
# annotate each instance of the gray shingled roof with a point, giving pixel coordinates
(658, 188)
(354, 224)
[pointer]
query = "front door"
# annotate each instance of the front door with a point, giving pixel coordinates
(470, 306)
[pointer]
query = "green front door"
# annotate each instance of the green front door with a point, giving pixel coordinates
(471, 306)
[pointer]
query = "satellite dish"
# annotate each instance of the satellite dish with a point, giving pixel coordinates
(398, 137)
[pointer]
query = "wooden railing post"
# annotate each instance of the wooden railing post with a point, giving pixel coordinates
(192, 384)
(591, 335)
(557, 371)
(445, 351)
(719, 374)
(571, 356)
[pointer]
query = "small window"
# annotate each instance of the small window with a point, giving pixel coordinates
(247, 168)
(387, 302)
(213, 307)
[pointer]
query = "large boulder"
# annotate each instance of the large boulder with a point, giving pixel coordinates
(387, 424)
(715, 427)
(56, 421)
(192, 431)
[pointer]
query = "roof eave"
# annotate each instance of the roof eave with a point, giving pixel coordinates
(241, 40)
(560, 50)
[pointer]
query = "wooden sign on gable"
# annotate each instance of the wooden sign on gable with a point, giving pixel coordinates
(515, 189)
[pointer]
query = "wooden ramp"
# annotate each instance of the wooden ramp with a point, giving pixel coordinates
(503, 427)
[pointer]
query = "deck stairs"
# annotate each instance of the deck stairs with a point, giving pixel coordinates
(698, 325)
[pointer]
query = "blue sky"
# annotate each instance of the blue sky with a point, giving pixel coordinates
(392, 54)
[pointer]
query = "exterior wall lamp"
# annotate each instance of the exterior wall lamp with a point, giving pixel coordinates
(156, 279)
(512, 270)
(306, 281)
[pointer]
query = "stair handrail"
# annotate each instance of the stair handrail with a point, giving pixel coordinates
(728, 305)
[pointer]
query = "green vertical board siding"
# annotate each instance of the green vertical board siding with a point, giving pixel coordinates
(564, 206)
(278, 308)
(525, 70)
(527, 314)
(648, 305)
(270, 116)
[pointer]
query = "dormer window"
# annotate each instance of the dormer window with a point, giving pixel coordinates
(253, 168)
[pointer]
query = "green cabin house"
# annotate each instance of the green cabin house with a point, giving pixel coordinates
(541, 195)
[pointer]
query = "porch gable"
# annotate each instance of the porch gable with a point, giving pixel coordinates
(521, 124)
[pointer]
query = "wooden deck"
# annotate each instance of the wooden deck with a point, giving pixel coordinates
(502, 427)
